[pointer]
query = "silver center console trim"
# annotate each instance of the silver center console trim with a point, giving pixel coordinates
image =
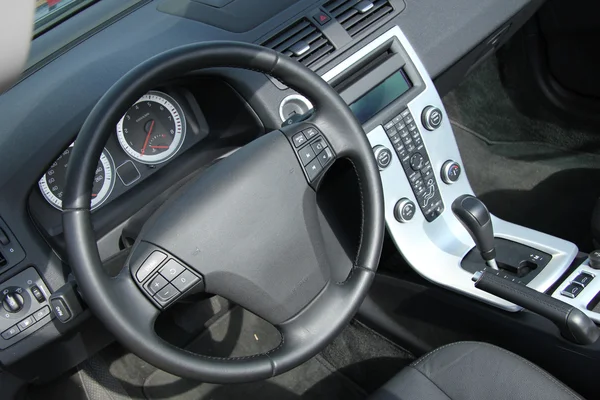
(435, 249)
(586, 296)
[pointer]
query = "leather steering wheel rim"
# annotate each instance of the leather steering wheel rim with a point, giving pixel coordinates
(120, 304)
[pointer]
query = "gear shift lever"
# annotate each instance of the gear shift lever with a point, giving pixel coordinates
(475, 217)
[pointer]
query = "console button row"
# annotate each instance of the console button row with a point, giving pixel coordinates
(408, 143)
(25, 323)
(577, 285)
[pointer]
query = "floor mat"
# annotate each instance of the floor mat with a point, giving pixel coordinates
(533, 184)
(481, 104)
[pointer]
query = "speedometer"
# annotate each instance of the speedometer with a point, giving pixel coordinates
(52, 184)
(153, 129)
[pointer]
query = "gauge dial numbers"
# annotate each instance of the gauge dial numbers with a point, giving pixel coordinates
(153, 129)
(53, 182)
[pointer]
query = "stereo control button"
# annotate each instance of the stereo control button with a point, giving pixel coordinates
(404, 210)
(383, 156)
(431, 118)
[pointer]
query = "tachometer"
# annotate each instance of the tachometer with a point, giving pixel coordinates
(153, 129)
(52, 184)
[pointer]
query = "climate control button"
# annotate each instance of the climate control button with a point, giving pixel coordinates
(431, 118)
(451, 171)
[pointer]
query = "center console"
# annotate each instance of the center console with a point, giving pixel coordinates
(391, 93)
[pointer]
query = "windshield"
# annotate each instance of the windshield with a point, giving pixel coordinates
(50, 12)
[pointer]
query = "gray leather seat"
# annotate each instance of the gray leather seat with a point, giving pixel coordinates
(471, 370)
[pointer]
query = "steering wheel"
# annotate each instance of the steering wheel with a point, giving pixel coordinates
(247, 229)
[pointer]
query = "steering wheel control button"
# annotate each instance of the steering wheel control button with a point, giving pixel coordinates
(10, 332)
(417, 161)
(166, 294)
(572, 290)
(151, 263)
(313, 169)
(26, 323)
(185, 281)
(299, 139)
(61, 310)
(431, 118)
(13, 302)
(310, 133)
(307, 154)
(404, 210)
(156, 284)
(325, 157)
(383, 156)
(583, 278)
(41, 313)
(318, 145)
(451, 171)
(171, 269)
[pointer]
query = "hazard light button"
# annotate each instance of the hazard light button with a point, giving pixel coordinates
(321, 18)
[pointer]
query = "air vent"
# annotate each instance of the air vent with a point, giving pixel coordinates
(301, 41)
(358, 15)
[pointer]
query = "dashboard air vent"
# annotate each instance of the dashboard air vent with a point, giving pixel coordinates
(358, 15)
(301, 41)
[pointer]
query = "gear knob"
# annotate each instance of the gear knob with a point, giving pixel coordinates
(475, 217)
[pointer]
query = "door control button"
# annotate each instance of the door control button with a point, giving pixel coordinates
(41, 313)
(60, 309)
(572, 290)
(404, 210)
(583, 278)
(383, 156)
(184, 281)
(171, 269)
(166, 294)
(431, 118)
(451, 171)
(26, 323)
(151, 263)
(155, 284)
(10, 332)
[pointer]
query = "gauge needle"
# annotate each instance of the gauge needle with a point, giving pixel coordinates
(148, 137)
(159, 147)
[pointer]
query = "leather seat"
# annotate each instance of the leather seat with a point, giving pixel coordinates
(471, 370)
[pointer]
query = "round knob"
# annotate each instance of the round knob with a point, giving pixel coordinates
(431, 118)
(451, 171)
(595, 259)
(12, 302)
(404, 210)
(383, 156)
(417, 161)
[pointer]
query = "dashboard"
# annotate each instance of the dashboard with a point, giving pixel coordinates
(180, 128)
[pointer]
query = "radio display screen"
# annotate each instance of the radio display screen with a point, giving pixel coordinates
(381, 96)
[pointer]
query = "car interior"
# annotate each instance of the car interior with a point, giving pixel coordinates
(299, 199)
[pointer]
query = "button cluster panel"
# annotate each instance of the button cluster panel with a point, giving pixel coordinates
(408, 143)
(313, 151)
(577, 284)
(24, 306)
(164, 278)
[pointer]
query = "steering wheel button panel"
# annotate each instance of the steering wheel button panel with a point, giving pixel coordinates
(151, 263)
(314, 156)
